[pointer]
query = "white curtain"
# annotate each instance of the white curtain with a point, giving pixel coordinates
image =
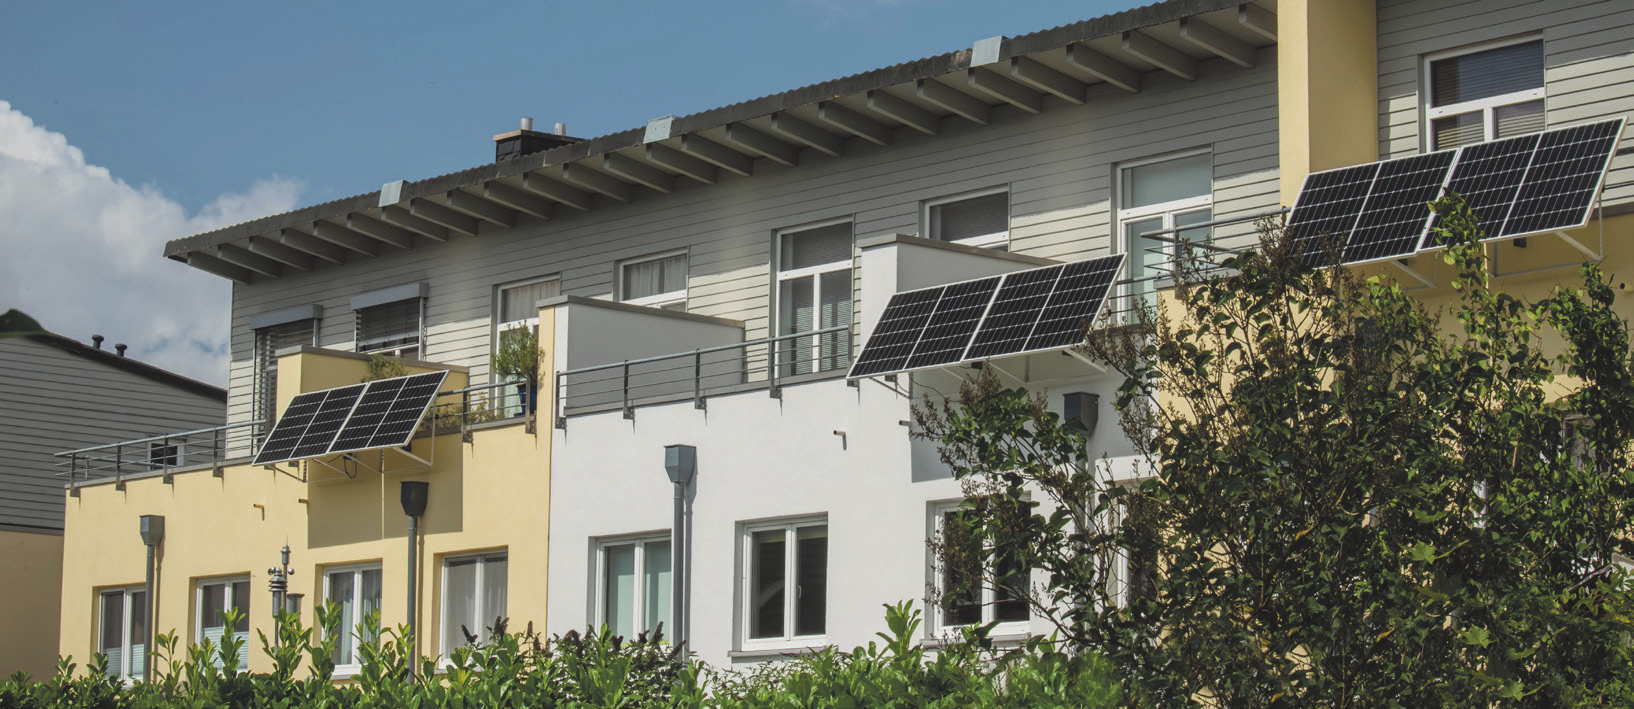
(460, 597)
(493, 592)
(656, 586)
(660, 275)
(619, 601)
(340, 592)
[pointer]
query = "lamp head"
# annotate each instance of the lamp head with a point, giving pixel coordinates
(681, 462)
(153, 530)
(414, 497)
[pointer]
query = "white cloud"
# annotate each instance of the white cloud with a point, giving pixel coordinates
(81, 251)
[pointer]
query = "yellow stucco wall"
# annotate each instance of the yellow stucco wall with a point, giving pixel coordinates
(1327, 87)
(30, 599)
(491, 493)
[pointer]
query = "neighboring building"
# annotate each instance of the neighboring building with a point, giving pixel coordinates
(57, 394)
(706, 280)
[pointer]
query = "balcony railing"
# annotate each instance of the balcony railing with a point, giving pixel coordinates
(206, 447)
(764, 364)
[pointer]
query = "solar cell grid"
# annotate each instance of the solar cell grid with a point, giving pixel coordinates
(1394, 217)
(898, 330)
(416, 395)
(949, 329)
(1487, 176)
(1078, 297)
(1563, 179)
(286, 433)
(1014, 312)
(331, 415)
(371, 409)
(1329, 204)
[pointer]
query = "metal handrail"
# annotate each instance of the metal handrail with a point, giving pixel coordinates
(621, 372)
(156, 439)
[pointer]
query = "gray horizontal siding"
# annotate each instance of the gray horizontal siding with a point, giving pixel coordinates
(1058, 165)
(1588, 55)
(53, 401)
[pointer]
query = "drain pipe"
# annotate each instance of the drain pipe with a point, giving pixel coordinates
(153, 534)
(414, 505)
(681, 462)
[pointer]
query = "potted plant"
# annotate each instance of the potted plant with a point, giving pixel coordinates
(517, 358)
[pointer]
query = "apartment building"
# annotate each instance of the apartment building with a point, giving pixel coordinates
(58, 394)
(701, 286)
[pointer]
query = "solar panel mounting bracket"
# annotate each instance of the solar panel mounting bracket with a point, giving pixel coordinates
(1075, 354)
(1580, 247)
(274, 467)
(380, 467)
(1401, 265)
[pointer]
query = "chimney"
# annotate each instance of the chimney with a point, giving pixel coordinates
(96, 341)
(120, 348)
(527, 141)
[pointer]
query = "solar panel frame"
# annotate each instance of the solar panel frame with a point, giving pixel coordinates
(897, 333)
(400, 423)
(1061, 318)
(1015, 310)
(327, 422)
(958, 314)
(286, 432)
(1395, 216)
(1329, 204)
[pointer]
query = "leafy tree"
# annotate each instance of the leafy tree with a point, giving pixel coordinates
(1353, 501)
(16, 323)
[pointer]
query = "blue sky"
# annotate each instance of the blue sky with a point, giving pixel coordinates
(208, 113)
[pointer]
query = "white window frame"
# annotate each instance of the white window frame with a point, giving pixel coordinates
(499, 305)
(598, 614)
(448, 644)
(816, 273)
(936, 523)
(986, 241)
(657, 300)
(128, 604)
(343, 669)
(1167, 212)
(199, 613)
(415, 351)
(746, 541)
(1487, 106)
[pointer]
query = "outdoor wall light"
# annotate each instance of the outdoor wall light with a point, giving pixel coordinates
(1083, 407)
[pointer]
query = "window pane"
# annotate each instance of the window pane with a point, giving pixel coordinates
(766, 584)
(961, 575)
(1167, 181)
(341, 592)
(1145, 253)
(369, 597)
(815, 247)
(1010, 595)
(619, 603)
(1519, 119)
(646, 278)
(656, 586)
(1199, 235)
(215, 599)
(1494, 72)
(970, 218)
(460, 601)
(389, 326)
(241, 602)
(138, 632)
(494, 580)
(113, 622)
(811, 580)
(517, 303)
(1462, 129)
(835, 311)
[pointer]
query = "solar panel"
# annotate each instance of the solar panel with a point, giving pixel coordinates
(899, 328)
(1563, 179)
(379, 414)
(1394, 217)
(1078, 298)
(1488, 176)
(1014, 312)
(948, 332)
(1329, 204)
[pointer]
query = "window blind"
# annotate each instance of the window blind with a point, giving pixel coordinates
(970, 218)
(388, 326)
(815, 247)
(1494, 72)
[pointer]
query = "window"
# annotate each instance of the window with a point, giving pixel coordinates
(1484, 93)
(973, 589)
(1134, 572)
(813, 293)
(655, 281)
(122, 630)
(785, 591)
(216, 597)
(976, 219)
(473, 598)
(268, 341)
(635, 586)
(391, 329)
(357, 591)
(1164, 193)
(517, 302)
(165, 454)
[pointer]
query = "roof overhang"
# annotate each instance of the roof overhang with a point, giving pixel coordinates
(1032, 73)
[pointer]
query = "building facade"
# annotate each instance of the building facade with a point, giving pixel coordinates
(58, 394)
(706, 280)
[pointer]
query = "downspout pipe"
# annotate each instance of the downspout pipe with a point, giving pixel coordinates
(153, 534)
(414, 494)
(681, 463)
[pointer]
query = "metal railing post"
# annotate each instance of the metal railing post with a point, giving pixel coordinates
(629, 412)
(697, 379)
(561, 400)
(772, 388)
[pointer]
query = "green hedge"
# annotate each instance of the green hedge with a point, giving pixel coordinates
(591, 670)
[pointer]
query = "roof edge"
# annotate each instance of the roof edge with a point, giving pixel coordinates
(133, 366)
